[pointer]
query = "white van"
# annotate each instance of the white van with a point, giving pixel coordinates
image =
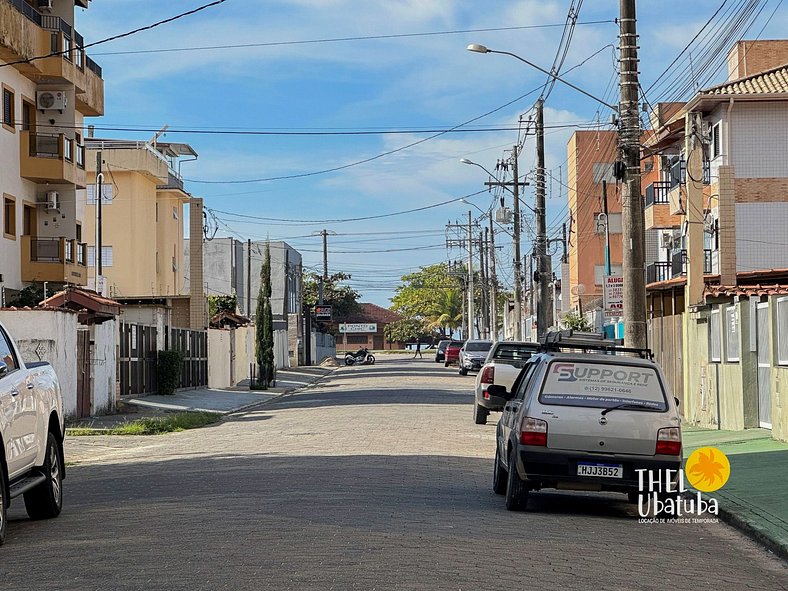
(585, 421)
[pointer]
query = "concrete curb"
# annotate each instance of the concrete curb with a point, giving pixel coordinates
(287, 392)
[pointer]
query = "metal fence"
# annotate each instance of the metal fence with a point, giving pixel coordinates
(194, 346)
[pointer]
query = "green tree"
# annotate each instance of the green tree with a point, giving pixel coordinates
(432, 295)
(407, 329)
(30, 296)
(574, 321)
(342, 298)
(264, 329)
(222, 303)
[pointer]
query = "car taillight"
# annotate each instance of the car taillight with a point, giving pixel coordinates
(533, 431)
(669, 441)
(488, 375)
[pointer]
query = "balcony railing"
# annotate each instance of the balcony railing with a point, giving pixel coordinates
(46, 145)
(657, 192)
(659, 271)
(28, 11)
(58, 250)
(679, 262)
(677, 173)
(93, 66)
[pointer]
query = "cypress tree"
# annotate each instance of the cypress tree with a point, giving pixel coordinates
(264, 330)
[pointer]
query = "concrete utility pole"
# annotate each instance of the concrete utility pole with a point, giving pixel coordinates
(544, 305)
(493, 285)
(324, 278)
(471, 308)
(693, 148)
(99, 189)
(608, 267)
(633, 224)
(484, 286)
(249, 277)
(518, 274)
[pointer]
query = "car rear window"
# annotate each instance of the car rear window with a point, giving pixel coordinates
(478, 346)
(510, 352)
(601, 385)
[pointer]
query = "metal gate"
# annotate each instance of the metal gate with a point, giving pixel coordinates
(137, 359)
(194, 345)
(83, 373)
(764, 367)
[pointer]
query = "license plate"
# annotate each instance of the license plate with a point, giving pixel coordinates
(600, 470)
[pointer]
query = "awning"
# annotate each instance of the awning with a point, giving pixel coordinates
(94, 308)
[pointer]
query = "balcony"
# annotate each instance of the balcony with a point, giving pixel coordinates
(54, 259)
(658, 212)
(51, 158)
(679, 262)
(659, 271)
(28, 34)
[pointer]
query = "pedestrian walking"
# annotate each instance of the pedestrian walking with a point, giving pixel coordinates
(418, 350)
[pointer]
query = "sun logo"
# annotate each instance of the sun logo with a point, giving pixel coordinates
(707, 469)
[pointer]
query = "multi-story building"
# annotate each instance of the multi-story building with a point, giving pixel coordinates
(142, 224)
(49, 86)
(232, 267)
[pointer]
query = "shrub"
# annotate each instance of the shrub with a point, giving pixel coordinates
(168, 370)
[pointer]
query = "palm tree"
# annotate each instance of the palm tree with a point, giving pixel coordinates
(449, 312)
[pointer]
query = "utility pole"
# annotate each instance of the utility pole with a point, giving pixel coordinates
(249, 277)
(518, 275)
(493, 285)
(608, 268)
(471, 307)
(484, 285)
(544, 306)
(324, 278)
(633, 225)
(99, 190)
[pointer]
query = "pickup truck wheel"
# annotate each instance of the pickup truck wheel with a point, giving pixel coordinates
(480, 414)
(463, 371)
(516, 489)
(46, 500)
(3, 506)
(445, 364)
(499, 475)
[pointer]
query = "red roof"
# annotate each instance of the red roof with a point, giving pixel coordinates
(373, 313)
(745, 290)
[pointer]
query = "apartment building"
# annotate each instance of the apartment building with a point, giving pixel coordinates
(232, 266)
(45, 102)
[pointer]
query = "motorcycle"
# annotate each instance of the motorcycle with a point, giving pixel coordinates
(360, 357)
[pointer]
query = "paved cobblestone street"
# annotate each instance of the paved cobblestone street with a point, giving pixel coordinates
(376, 478)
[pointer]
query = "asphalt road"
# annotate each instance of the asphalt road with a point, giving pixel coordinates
(375, 479)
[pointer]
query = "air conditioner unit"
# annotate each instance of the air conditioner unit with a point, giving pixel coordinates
(51, 200)
(45, 5)
(51, 99)
(666, 240)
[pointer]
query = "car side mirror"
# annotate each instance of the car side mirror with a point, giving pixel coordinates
(500, 391)
(677, 401)
(3, 368)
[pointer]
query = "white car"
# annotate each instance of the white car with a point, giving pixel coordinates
(31, 434)
(502, 366)
(472, 355)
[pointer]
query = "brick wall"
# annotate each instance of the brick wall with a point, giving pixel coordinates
(750, 57)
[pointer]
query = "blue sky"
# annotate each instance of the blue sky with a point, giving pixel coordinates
(403, 84)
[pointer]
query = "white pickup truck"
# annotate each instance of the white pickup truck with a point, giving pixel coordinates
(31, 434)
(501, 367)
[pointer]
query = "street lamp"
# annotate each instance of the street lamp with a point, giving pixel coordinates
(478, 48)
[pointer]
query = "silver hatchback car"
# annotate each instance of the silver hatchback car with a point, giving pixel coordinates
(584, 421)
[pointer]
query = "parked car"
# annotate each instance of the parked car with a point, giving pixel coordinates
(585, 421)
(472, 355)
(502, 366)
(452, 353)
(440, 350)
(31, 435)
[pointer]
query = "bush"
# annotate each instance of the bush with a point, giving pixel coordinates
(169, 365)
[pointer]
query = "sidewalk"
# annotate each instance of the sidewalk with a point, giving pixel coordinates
(755, 498)
(220, 401)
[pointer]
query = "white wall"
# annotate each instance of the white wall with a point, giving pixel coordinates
(104, 387)
(281, 349)
(219, 357)
(244, 353)
(759, 132)
(54, 334)
(760, 232)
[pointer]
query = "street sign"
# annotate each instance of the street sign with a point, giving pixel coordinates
(613, 296)
(358, 327)
(322, 312)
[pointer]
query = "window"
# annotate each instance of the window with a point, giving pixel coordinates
(356, 339)
(782, 331)
(7, 353)
(714, 337)
(28, 115)
(599, 272)
(175, 213)
(9, 217)
(106, 256)
(8, 108)
(614, 219)
(715, 141)
(106, 194)
(731, 334)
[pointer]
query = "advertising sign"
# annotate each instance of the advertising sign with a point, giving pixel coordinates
(613, 295)
(322, 312)
(350, 327)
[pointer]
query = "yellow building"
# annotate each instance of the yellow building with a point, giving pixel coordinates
(142, 217)
(44, 103)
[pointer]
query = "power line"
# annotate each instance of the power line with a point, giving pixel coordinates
(119, 36)
(345, 39)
